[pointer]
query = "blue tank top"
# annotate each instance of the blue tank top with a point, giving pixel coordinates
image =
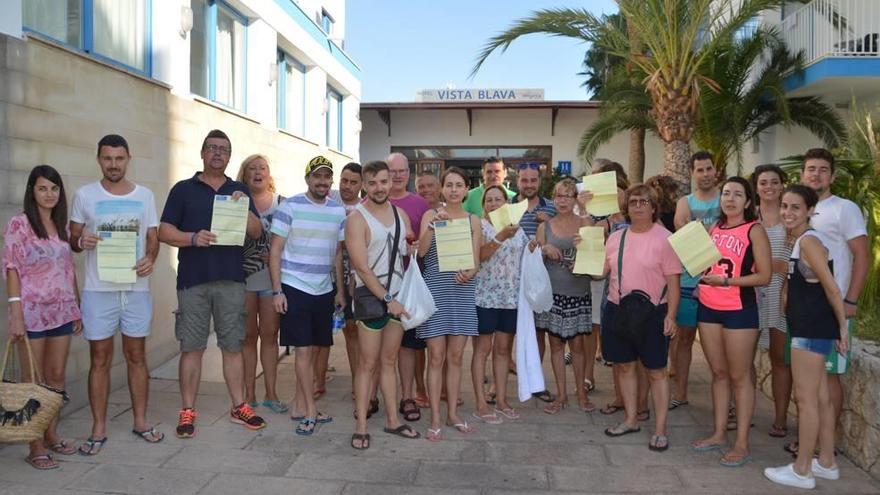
(706, 212)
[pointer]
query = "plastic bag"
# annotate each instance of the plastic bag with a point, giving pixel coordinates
(415, 297)
(536, 281)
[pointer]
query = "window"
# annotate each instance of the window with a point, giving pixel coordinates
(327, 22)
(291, 94)
(217, 53)
(334, 119)
(116, 30)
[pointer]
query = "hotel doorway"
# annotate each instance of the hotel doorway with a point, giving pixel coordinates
(436, 159)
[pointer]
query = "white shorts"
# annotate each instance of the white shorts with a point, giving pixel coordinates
(597, 290)
(105, 312)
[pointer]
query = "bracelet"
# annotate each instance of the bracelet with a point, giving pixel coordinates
(277, 292)
(14, 299)
(496, 241)
(192, 240)
(79, 243)
(851, 303)
(726, 282)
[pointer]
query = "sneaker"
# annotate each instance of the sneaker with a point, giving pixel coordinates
(243, 414)
(832, 473)
(786, 475)
(186, 424)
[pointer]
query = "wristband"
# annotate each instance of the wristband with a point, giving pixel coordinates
(14, 299)
(79, 243)
(192, 240)
(496, 241)
(726, 282)
(851, 303)
(277, 292)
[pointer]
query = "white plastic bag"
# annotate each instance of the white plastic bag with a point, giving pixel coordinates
(415, 297)
(536, 281)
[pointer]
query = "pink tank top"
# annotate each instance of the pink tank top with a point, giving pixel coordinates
(736, 260)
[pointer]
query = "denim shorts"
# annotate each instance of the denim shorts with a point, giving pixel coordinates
(66, 329)
(819, 346)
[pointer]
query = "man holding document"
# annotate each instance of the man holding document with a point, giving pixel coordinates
(210, 276)
(114, 221)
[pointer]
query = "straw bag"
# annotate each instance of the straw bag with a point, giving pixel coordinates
(26, 409)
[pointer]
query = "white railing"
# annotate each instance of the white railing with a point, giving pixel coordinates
(834, 28)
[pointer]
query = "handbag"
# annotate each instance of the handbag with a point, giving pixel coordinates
(634, 310)
(365, 304)
(26, 409)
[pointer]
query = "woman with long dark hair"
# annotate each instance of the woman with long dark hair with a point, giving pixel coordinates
(42, 291)
(728, 315)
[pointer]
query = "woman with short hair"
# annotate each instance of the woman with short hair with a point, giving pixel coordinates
(640, 259)
(43, 295)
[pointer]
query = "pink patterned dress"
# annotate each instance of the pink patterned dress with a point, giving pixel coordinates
(45, 268)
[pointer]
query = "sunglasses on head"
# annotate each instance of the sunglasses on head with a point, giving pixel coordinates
(530, 165)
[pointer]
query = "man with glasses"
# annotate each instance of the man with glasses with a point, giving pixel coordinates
(210, 281)
(494, 173)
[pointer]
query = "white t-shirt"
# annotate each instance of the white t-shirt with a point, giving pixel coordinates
(99, 210)
(839, 220)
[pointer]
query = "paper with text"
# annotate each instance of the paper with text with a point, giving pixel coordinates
(455, 249)
(590, 257)
(117, 256)
(229, 220)
(604, 189)
(694, 248)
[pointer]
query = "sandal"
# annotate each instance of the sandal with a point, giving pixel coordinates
(422, 401)
(675, 404)
(150, 435)
(276, 406)
(63, 447)
(364, 439)
(777, 431)
(306, 427)
(658, 443)
(587, 407)
(554, 407)
(462, 427)
(410, 410)
(318, 393)
(610, 408)
(734, 460)
(544, 395)
(42, 462)
(643, 415)
(489, 418)
(434, 434)
(621, 429)
(404, 431)
(508, 412)
(703, 446)
(92, 446)
(490, 399)
(588, 385)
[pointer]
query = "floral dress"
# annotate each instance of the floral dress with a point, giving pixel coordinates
(498, 278)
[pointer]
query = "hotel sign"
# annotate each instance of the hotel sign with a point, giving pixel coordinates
(479, 95)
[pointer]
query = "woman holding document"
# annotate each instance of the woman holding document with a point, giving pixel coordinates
(42, 293)
(497, 295)
(728, 315)
(449, 241)
(569, 318)
(640, 262)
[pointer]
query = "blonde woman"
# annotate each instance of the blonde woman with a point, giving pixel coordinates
(262, 320)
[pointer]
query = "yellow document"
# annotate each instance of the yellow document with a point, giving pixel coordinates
(509, 214)
(455, 249)
(229, 220)
(604, 189)
(117, 255)
(590, 257)
(694, 248)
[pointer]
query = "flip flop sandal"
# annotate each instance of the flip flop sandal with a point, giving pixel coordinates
(318, 393)
(590, 407)
(434, 434)
(643, 415)
(545, 396)
(490, 399)
(621, 429)
(463, 427)
(791, 447)
(410, 410)
(323, 419)
(402, 430)
(92, 446)
(509, 413)
(489, 419)
(374, 407)
(735, 463)
(778, 431)
(42, 462)
(658, 443)
(422, 401)
(63, 447)
(306, 427)
(588, 385)
(150, 435)
(363, 437)
(675, 404)
(276, 406)
(610, 409)
(554, 407)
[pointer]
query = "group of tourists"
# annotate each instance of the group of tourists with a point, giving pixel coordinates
(793, 263)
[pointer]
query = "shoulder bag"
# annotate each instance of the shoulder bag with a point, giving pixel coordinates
(366, 306)
(635, 310)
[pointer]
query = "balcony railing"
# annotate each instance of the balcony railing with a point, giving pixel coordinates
(834, 28)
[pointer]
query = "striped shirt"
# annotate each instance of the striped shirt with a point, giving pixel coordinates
(313, 232)
(529, 221)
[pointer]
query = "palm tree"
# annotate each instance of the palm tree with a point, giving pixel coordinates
(749, 98)
(675, 40)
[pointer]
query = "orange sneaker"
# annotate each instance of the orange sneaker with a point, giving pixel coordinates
(243, 414)
(186, 424)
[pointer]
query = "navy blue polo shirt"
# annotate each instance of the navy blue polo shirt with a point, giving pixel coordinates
(529, 221)
(189, 207)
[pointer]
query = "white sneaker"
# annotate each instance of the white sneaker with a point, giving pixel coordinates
(832, 473)
(786, 475)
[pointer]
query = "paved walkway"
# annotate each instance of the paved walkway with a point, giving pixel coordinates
(538, 454)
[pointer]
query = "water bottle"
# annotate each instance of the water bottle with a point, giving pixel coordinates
(338, 319)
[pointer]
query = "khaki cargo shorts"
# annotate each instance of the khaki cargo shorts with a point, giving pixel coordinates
(224, 301)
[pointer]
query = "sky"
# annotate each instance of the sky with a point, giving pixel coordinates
(403, 46)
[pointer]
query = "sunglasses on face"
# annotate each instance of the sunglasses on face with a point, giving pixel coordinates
(639, 203)
(531, 165)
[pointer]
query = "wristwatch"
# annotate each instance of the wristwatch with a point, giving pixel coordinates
(387, 298)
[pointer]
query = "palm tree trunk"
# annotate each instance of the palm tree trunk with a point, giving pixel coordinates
(636, 156)
(676, 160)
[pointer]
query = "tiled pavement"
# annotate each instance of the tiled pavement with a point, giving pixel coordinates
(537, 454)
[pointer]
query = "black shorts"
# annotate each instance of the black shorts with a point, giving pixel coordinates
(652, 351)
(309, 319)
(491, 320)
(410, 341)
(737, 319)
